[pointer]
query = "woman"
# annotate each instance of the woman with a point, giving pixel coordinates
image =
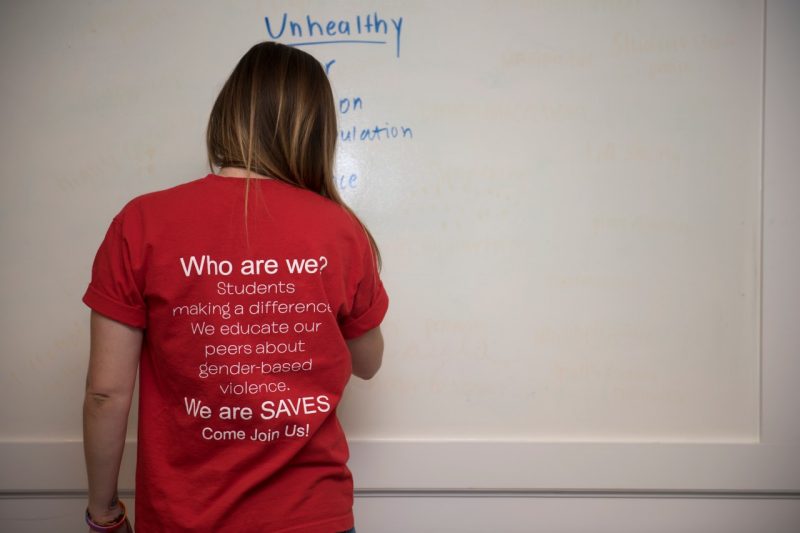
(245, 298)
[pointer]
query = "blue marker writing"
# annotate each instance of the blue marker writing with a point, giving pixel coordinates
(358, 30)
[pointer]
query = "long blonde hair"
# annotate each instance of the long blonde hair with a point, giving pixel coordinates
(276, 116)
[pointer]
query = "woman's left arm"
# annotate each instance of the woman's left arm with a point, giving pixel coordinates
(110, 380)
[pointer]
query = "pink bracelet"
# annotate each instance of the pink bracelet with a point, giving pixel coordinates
(118, 522)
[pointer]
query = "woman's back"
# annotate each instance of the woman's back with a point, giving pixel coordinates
(246, 304)
(244, 358)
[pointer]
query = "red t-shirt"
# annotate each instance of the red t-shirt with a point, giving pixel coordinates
(244, 358)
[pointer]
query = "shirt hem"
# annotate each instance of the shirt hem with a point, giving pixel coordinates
(329, 525)
(369, 320)
(112, 309)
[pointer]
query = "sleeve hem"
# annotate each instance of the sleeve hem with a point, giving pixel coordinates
(104, 305)
(369, 320)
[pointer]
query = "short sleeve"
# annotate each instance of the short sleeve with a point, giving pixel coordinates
(115, 290)
(370, 302)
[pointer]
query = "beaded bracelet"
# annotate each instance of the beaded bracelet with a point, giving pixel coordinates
(115, 525)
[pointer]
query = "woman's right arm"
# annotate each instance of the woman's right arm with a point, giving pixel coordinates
(110, 380)
(366, 352)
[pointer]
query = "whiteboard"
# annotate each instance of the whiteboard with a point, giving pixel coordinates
(569, 212)
(567, 196)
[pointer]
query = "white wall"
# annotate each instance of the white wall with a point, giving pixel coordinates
(467, 427)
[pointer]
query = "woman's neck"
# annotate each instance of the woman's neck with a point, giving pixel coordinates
(235, 172)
